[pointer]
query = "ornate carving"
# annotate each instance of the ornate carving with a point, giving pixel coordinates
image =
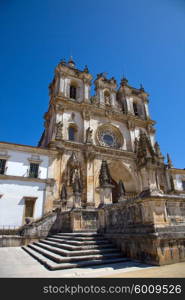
(104, 177)
(64, 193)
(131, 125)
(109, 136)
(59, 127)
(157, 149)
(144, 149)
(150, 129)
(86, 115)
(169, 162)
(89, 132)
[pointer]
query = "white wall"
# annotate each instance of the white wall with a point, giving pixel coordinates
(12, 201)
(18, 164)
(13, 191)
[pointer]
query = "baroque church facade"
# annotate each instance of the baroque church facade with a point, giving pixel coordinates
(98, 163)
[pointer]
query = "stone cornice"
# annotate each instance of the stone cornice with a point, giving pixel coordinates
(116, 115)
(26, 148)
(94, 149)
(176, 171)
(29, 179)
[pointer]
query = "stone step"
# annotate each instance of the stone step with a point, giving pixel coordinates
(67, 246)
(78, 242)
(85, 234)
(59, 266)
(68, 253)
(63, 259)
(80, 238)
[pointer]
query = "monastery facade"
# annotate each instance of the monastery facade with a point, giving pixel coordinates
(98, 162)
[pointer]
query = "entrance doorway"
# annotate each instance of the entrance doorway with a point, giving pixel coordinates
(115, 191)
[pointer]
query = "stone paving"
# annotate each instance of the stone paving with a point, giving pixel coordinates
(14, 262)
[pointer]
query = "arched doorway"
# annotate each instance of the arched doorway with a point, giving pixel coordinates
(118, 171)
(114, 191)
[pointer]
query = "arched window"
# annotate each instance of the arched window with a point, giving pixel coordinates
(124, 106)
(72, 133)
(73, 92)
(135, 108)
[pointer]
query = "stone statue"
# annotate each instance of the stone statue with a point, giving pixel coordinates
(77, 186)
(89, 132)
(107, 100)
(59, 127)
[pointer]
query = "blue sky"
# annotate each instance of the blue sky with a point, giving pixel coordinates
(142, 39)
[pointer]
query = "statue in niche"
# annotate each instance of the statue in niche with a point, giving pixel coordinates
(74, 170)
(89, 132)
(107, 100)
(59, 127)
(77, 186)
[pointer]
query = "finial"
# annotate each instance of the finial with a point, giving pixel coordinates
(141, 87)
(71, 62)
(124, 80)
(169, 161)
(63, 62)
(86, 70)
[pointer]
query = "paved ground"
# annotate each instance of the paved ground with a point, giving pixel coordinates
(168, 271)
(14, 262)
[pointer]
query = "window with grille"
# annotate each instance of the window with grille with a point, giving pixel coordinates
(2, 166)
(34, 170)
(72, 92)
(71, 133)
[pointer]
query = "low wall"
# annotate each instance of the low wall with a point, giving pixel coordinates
(151, 230)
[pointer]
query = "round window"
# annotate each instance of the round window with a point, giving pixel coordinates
(108, 139)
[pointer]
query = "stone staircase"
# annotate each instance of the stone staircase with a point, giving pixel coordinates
(73, 250)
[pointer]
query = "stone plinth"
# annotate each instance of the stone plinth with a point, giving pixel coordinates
(149, 229)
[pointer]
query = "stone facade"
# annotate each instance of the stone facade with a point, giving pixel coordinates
(107, 170)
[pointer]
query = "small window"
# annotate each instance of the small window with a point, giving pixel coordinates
(2, 166)
(73, 92)
(71, 133)
(34, 170)
(183, 185)
(135, 109)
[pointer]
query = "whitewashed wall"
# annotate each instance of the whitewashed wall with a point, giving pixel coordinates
(12, 203)
(18, 164)
(12, 191)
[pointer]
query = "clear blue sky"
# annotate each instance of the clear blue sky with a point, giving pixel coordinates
(144, 39)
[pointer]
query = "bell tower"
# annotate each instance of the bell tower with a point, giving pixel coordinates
(70, 87)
